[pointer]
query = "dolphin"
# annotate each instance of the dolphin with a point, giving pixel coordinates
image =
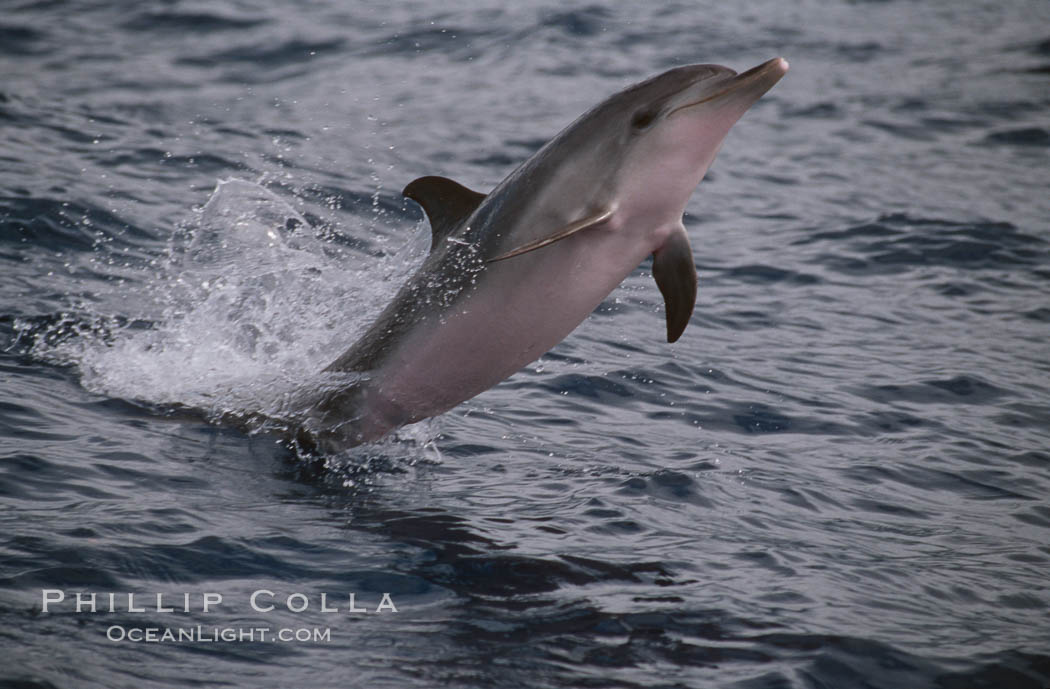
(511, 273)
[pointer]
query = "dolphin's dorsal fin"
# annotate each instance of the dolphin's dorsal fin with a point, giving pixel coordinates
(446, 203)
(567, 231)
(675, 275)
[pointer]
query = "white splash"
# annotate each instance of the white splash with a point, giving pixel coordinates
(252, 303)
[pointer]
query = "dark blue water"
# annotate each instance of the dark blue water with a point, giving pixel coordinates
(836, 478)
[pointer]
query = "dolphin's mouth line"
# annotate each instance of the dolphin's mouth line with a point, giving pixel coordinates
(737, 82)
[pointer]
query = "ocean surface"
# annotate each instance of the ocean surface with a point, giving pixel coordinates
(837, 478)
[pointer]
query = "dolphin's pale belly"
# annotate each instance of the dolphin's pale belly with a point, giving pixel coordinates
(521, 308)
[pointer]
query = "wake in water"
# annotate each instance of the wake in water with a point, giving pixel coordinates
(236, 323)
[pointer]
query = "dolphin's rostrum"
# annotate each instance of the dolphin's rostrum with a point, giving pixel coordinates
(511, 273)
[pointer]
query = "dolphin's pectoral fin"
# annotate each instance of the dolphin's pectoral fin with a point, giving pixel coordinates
(446, 203)
(567, 231)
(675, 275)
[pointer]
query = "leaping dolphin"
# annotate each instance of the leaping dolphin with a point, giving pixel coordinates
(513, 272)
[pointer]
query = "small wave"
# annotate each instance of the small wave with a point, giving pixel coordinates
(471, 563)
(458, 43)
(176, 21)
(1041, 48)
(667, 484)
(64, 225)
(824, 110)
(899, 242)
(140, 162)
(1024, 136)
(288, 53)
(586, 21)
(766, 274)
(21, 40)
(963, 389)
(903, 130)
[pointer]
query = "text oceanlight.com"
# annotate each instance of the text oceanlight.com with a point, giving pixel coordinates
(203, 634)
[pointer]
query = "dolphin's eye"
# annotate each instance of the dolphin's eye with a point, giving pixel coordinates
(642, 119)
